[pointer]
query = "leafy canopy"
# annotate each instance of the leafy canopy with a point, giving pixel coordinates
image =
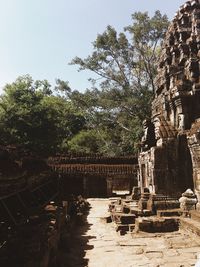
(33, 117)
(122, 92)
(105, 119)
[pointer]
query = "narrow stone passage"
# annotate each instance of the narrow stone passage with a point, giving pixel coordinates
(97, 244)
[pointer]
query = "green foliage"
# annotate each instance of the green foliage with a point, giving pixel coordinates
(32, 117)
(147, 34)
(106, 119)
(85, 142)
(111, 59)
(125, 67)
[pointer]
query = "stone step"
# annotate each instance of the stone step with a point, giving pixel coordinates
(169, 213)
(146, 213)
(138, 212)
(190, 225)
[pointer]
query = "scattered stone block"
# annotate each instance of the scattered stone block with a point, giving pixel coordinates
(155, 224)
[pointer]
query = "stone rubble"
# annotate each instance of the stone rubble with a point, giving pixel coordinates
(104, 247)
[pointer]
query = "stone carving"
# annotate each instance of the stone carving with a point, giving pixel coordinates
(148, 138)
(168, 164)
(136, 193)
(188, 201)
(181, 122)
(157, 128)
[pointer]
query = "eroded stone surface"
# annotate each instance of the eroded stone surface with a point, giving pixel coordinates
(98, 245)
(170, 148)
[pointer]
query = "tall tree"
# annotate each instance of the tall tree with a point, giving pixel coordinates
(147, 34)
(125, 67)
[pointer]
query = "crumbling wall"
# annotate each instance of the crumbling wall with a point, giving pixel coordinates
(175, 108)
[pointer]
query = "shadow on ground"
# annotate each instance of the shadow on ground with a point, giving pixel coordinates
(74, 244)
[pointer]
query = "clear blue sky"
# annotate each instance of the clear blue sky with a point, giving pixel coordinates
(40, 37)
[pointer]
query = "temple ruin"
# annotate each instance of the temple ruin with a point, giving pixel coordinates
(38, 198)
(169, 157)
(169, 165)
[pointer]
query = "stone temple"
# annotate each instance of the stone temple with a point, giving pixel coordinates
(169, 160)
(45, 221)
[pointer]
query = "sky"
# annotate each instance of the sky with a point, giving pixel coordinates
(40, 37)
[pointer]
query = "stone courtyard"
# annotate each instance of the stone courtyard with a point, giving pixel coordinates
(97, 244)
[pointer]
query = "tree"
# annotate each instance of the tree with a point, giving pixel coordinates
(125, 67)
(105, 119)
(33, 117)
(86, 141)
(147, 34)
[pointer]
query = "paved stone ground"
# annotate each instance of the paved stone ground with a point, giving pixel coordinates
(97, 244)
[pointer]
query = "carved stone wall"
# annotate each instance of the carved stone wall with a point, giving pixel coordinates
(194, 145)
(167, 166)
(177, 83)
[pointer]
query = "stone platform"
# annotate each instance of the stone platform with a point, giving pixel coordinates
(156, 224)
(169, 213)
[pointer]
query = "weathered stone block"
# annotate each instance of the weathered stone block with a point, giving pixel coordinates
(153, 225)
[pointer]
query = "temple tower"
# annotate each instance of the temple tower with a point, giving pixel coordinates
(170, 163)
